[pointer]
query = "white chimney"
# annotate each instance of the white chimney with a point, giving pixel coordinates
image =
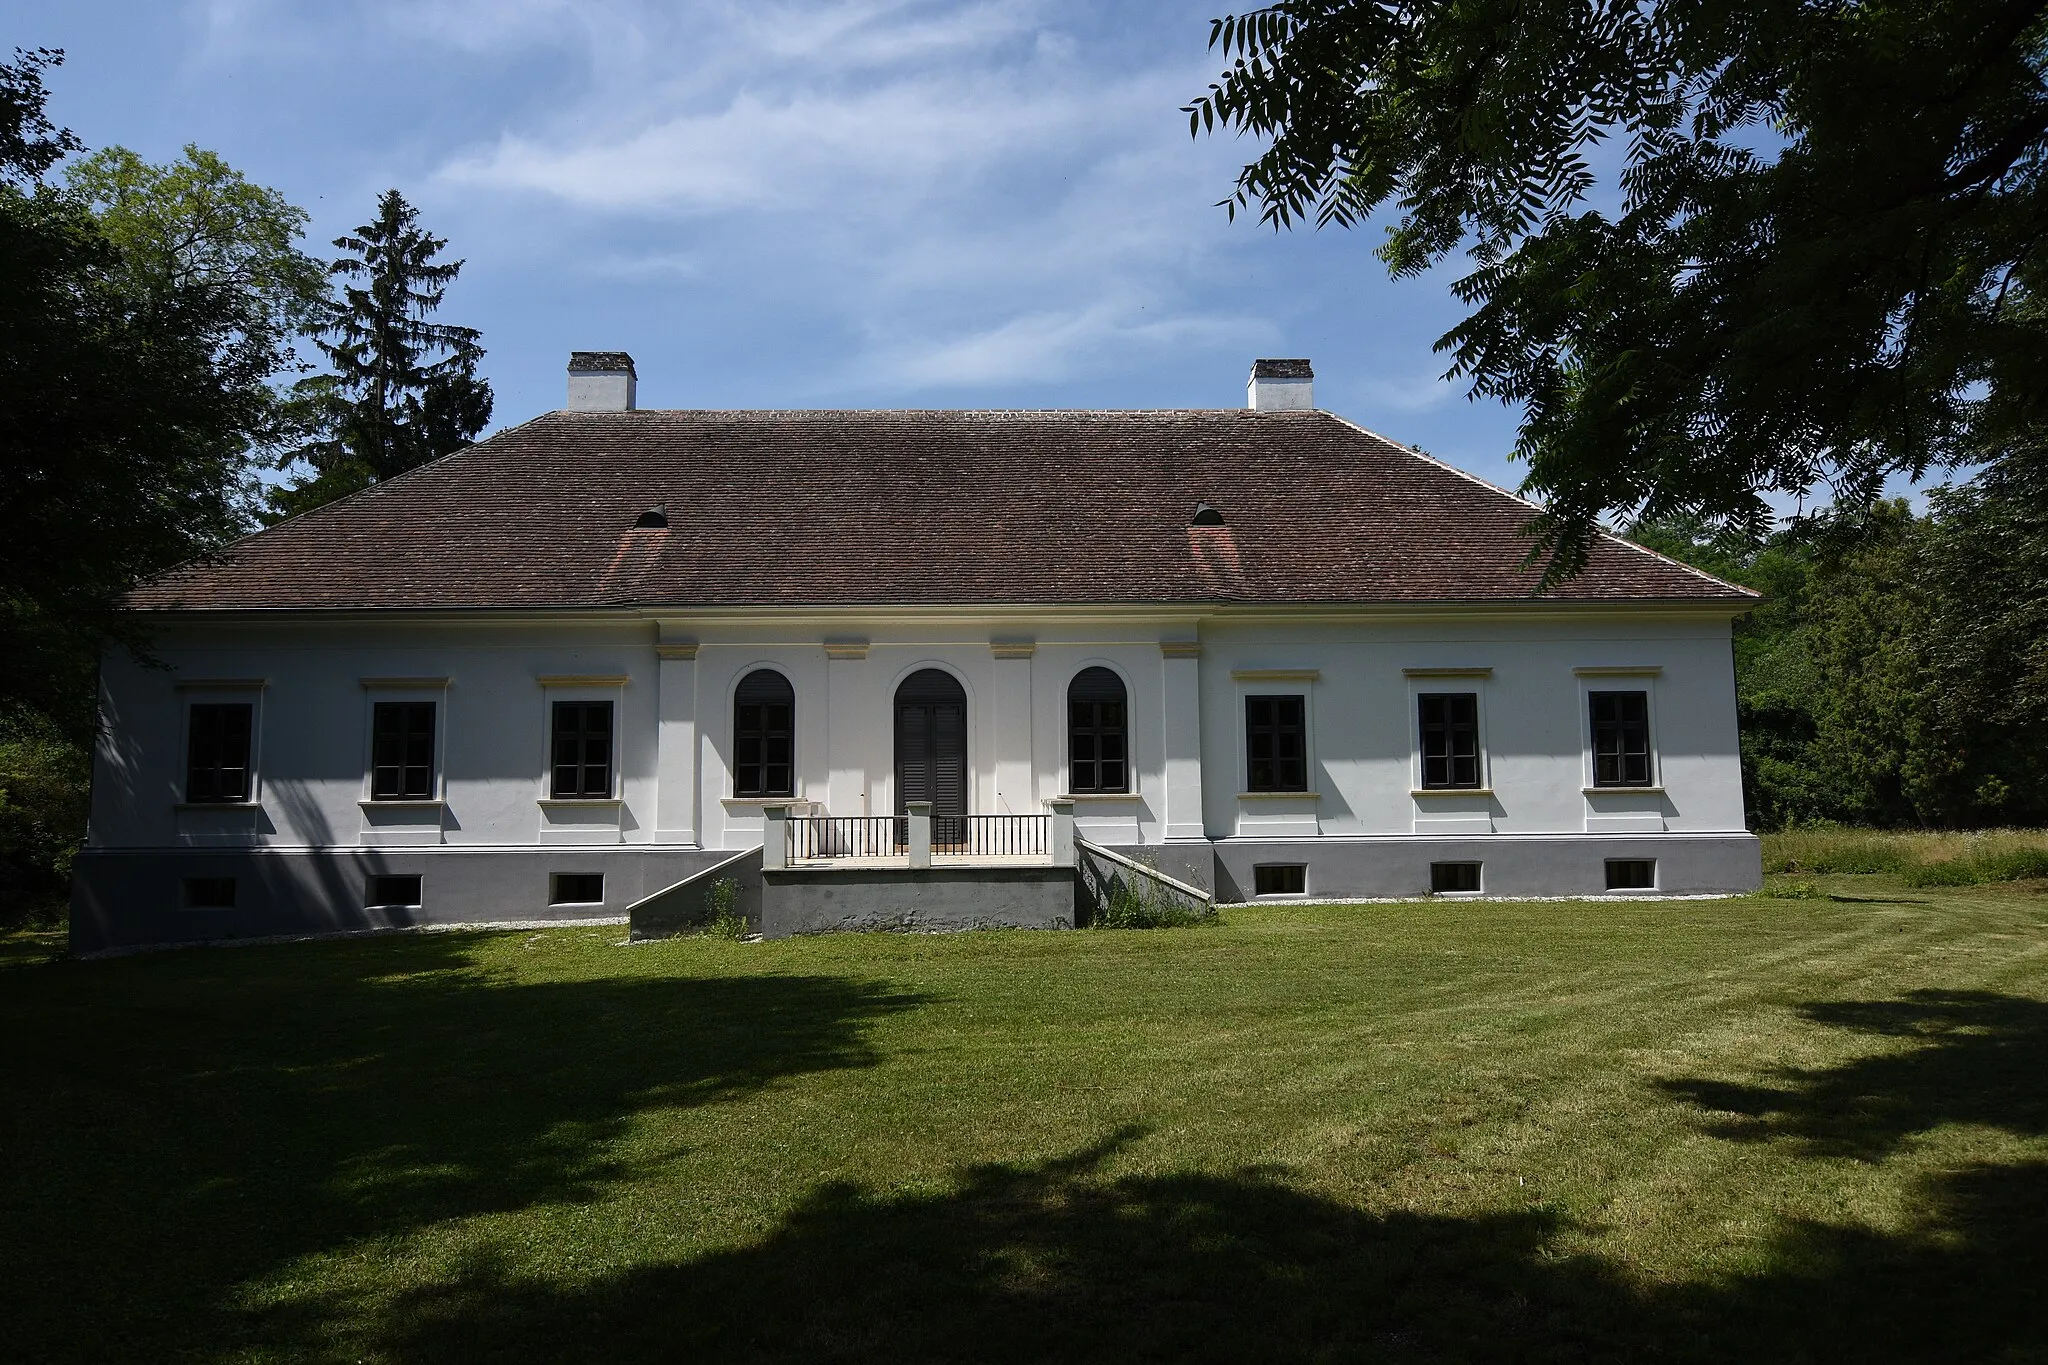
(601, 381)
(1281, 386)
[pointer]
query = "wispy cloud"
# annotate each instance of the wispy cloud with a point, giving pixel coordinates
(977, 193)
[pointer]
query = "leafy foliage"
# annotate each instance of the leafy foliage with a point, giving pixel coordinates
(144, 311)
(198, 226)
(1816, 262)
(404, 389)
(1894, 676)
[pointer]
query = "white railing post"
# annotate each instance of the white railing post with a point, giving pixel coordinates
(1062, 833)
(920, 813)
(775, 838)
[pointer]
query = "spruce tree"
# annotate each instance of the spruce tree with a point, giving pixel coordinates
(404, 390)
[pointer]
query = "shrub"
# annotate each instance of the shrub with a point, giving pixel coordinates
(723, 918)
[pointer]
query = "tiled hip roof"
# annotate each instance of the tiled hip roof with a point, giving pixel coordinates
(794, 508)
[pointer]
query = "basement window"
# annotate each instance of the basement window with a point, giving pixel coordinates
(1631, 874)
(577, 888)
(1280, 879)
(392, 892)
(207, 893)
(1453, 877)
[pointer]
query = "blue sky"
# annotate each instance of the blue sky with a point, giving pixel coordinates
(812, 203)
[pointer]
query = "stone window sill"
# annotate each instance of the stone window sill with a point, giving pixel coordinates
(1096, 796)
(216, 805)
(406, 803)
(581, 801)
(1451, 791)
(1279, 796)
(1623, 791)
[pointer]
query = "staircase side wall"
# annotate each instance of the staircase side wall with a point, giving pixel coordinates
(816, 901)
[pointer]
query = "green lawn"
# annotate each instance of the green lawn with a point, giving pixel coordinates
(1774, 1129)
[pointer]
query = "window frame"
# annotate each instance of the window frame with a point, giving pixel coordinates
(583, 792)
(1438, 871)
(1129, 786)
(1607, 874)
(1652, 768)
(1278, 787)
(1259, 869)
(1423, 727)
(191, 705)
(379, 705)
(766, 793)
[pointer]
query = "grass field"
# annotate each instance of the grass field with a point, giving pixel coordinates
(1773, 1129)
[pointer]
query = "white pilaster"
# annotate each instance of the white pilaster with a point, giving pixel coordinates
(675, 745)
(1015, 790)
(1180, 708)
(850, 721)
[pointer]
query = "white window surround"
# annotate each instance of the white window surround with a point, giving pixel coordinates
(1275, 682)
(432, 690)
(1620, 679)
(1132, 775)
(212, 691)
(1434, 680)
(556, 687)
(796, 770)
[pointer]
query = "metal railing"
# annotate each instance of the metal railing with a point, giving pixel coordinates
(845, 836)
(993, 836)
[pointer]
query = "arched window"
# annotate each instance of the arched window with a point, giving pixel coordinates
(1098, 741)
(764, 736)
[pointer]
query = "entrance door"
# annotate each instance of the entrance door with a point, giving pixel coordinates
(931, 752)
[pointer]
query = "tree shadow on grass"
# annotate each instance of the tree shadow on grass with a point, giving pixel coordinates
(182, 1126)
(1970, 1057)
(1051, 1263)
(1059, 1261)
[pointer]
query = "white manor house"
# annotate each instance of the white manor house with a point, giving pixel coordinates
(895, 668)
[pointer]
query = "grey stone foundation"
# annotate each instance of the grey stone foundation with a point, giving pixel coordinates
(133, 898)
(1510, 865)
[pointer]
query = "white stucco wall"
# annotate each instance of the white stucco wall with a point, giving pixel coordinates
(675, 713)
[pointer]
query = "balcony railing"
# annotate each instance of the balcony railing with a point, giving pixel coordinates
(916, 837)
(992, 836)
(845, 836)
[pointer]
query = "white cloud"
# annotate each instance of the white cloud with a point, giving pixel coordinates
(973, 190)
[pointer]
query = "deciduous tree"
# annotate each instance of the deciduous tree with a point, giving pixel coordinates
(1721, 248)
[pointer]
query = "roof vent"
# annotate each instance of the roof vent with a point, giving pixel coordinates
(655, 517)
(602, 381)
(1205, 515)
(1281, 386)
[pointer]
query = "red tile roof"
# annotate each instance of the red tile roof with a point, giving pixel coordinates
(797, 508)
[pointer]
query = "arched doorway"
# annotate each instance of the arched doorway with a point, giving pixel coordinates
(931, 751)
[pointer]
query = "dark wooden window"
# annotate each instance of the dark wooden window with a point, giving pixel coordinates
(577, 888)
(208, 893)
(217, 752)
(1279, 879)
(1621, 739)
(582, 751)
(1276, 744)
(1450, 739)
(1454, 876)
(1098, 732)
(1631, 874)
(764, 736)
(402, 751)
(387, 889)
